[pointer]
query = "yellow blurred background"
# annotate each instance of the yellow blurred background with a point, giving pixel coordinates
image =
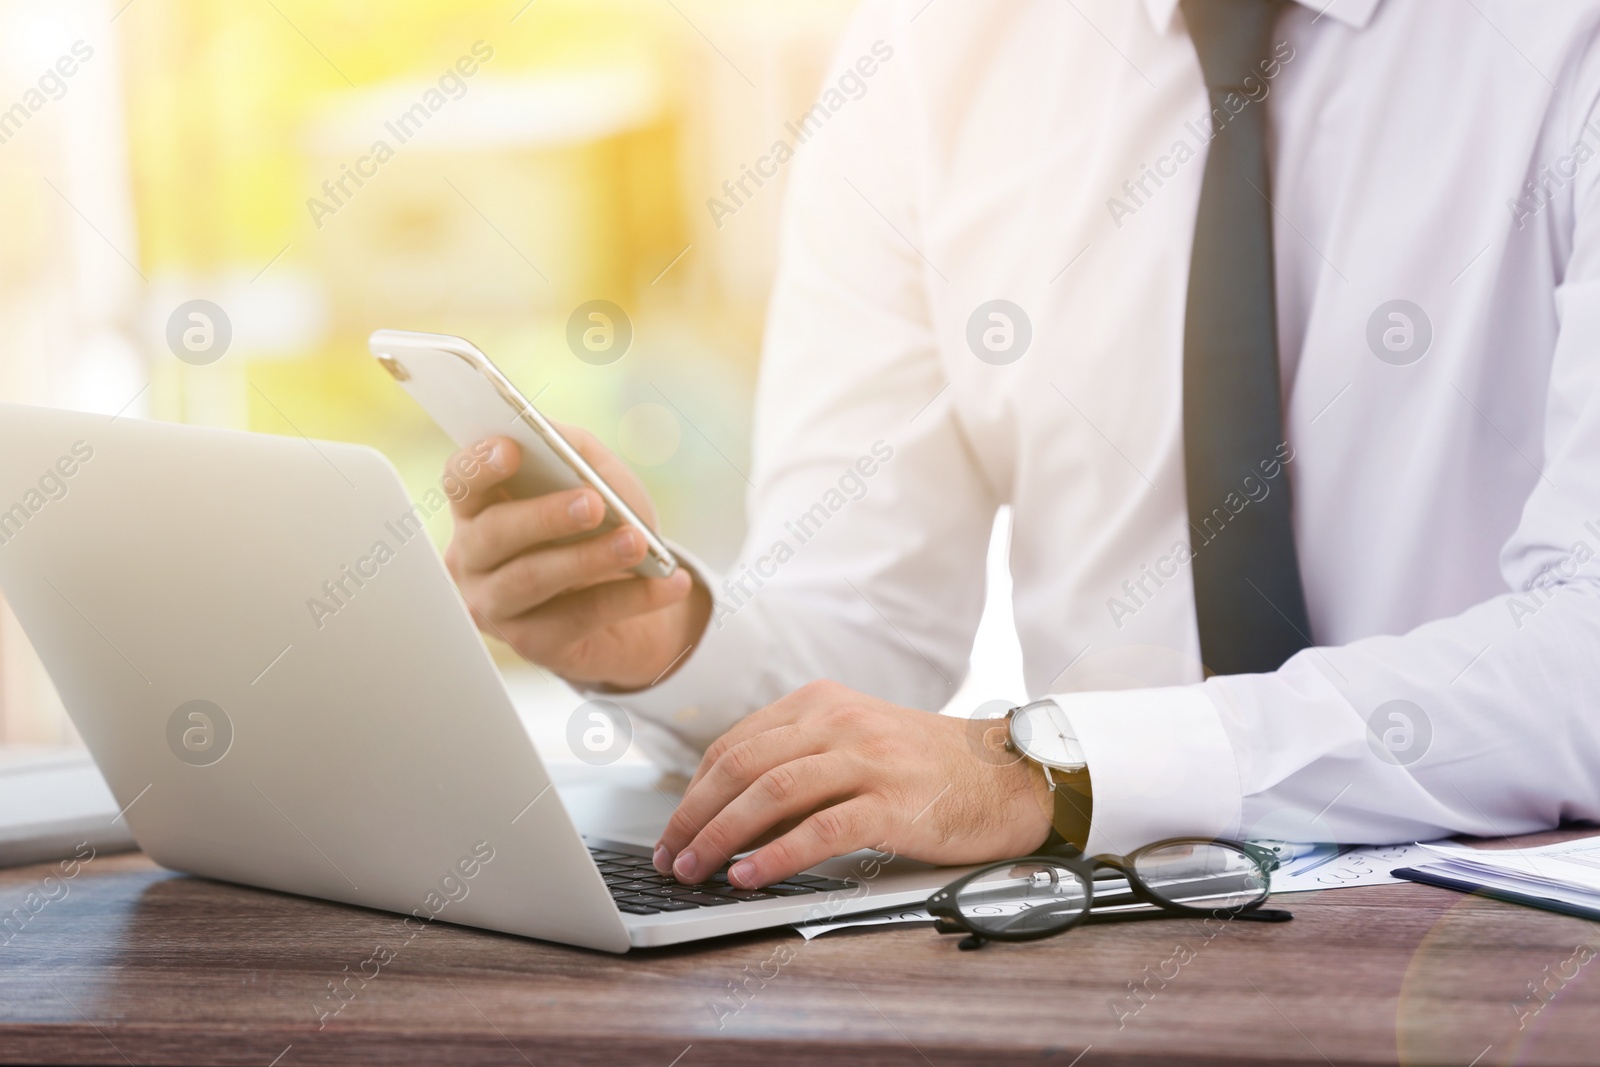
(154, 152)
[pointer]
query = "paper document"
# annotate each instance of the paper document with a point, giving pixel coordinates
(893, 917)
(1568, 872)
(1339, 866)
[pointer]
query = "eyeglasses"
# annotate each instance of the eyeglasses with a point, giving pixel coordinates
(1041, 896)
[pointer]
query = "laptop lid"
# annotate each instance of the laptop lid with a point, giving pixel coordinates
(274, 672)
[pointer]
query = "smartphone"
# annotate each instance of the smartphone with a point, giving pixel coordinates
(470, 399)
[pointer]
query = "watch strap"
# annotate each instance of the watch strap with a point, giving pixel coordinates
(1073, 808)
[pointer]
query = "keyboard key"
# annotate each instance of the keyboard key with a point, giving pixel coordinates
(635, 898)
(637, 909)
(705, 899)
(634, 888)
(614, 868)
(602, 856)
(784, 889)
(675, 905)
(673, 889)
(739, 894)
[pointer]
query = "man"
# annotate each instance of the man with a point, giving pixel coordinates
(1278, 327)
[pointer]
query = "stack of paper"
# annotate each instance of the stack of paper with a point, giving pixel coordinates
(1563, 877)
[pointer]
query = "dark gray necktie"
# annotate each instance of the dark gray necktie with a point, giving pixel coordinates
(1248, 598)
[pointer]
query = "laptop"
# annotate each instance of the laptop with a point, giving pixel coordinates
(282, 687)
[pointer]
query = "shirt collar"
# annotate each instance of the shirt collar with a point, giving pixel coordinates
(1353, 13)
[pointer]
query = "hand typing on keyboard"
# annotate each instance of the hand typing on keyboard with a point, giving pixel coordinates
(826, 771)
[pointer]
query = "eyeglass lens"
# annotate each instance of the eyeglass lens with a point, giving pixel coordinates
(1202, 875)
(1023, 898)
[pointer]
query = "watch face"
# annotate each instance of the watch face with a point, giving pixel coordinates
(1041, 733)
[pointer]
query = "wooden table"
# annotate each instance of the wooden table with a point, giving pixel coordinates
(137, 965)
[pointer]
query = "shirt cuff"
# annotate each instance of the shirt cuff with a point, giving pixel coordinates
(1160, 766)
(707, 692)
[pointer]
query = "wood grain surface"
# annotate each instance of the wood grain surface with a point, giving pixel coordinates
(130, 963)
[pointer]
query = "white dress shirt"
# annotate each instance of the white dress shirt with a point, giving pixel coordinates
(1444, 453)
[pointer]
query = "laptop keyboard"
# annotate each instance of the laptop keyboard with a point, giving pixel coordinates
(639, 890)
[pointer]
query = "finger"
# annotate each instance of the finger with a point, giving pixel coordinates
(597, 455)
(612, 470)
(587, 444)
(733, 773)
(856, 823)
(534, 578)
(566, 620)
(795, 788)
(472, 477)
(780, 712)
(775, 831)
(510, 528)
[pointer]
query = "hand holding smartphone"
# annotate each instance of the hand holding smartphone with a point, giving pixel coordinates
(471, 400)
(540, 551)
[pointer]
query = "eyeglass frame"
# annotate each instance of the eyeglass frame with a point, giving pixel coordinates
(948, 918)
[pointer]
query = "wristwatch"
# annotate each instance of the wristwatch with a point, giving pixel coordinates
(1041, 734)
